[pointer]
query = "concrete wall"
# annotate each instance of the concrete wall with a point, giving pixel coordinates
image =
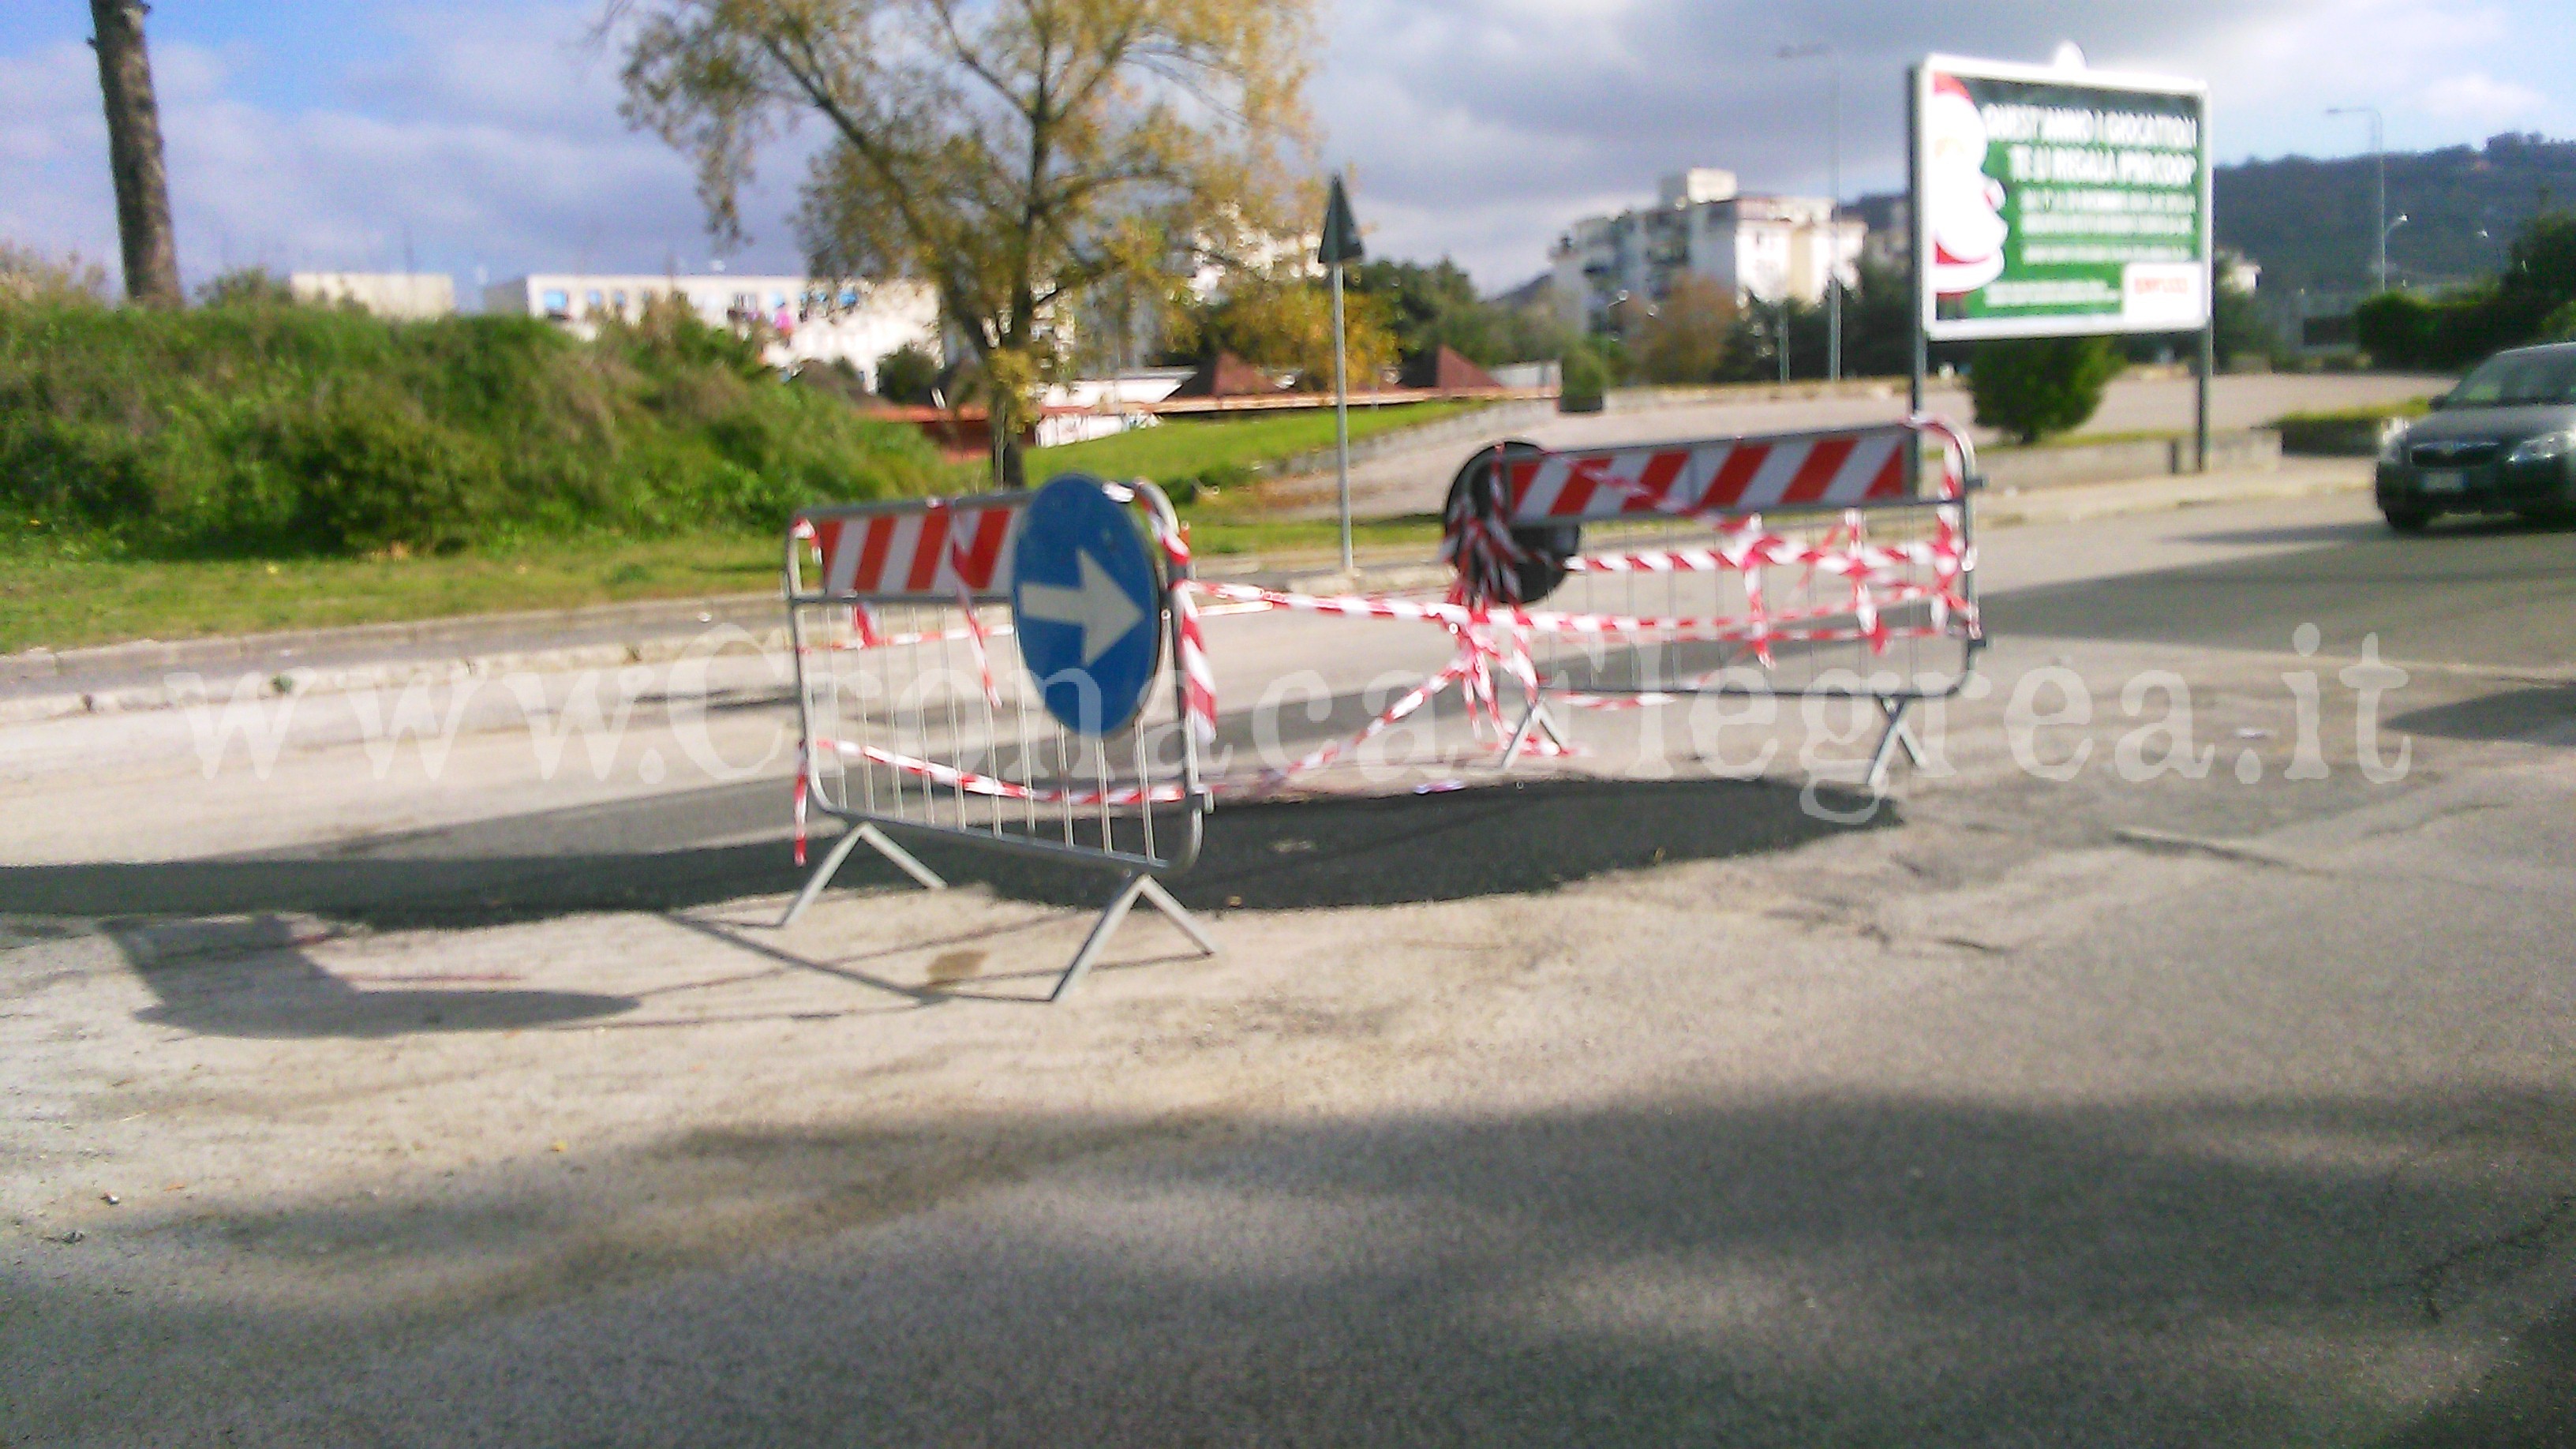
(2254, 450)
(404, 296)
(853, 322)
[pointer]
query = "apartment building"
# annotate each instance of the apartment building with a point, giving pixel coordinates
(855, 322)
(1763, 248)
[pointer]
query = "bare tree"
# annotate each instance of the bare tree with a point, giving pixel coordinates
(1014, 154)
(134, 153)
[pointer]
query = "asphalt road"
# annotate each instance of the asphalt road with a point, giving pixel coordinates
(2238, 1109)
(1415, 480)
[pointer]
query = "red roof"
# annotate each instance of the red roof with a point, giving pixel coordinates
(1227, 375)
(1445, 371)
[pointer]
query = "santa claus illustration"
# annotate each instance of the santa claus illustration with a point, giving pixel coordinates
(1963, 206)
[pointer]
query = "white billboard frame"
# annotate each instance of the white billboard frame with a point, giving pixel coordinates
(1933, 328)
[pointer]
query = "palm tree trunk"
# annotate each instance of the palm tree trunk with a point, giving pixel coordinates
(134, 154)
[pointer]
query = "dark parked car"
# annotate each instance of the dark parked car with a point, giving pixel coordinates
(2503, 441)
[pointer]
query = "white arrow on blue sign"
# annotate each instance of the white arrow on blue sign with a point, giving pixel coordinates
(1082, 591)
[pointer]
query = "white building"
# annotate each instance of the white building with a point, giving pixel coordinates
(404, 296)
(1758, 247)
(817, 321)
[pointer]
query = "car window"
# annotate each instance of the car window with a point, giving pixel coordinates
(2513, 378)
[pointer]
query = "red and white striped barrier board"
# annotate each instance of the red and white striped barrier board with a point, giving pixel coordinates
(877, 594)
(930, 553)
(1847, 469)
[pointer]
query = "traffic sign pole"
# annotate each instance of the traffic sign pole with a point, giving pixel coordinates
(1337, 245)
(1341, 419)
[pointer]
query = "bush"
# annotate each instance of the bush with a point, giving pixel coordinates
(1684, 339)
(272, 429)
(247, 287)
(2396, 329)
(2529, 303)
(31, 276)
(2240, 331)
(2032, 388)
(907, 375)
(1583, 380)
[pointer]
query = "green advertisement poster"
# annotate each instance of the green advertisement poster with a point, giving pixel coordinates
(2057, 202)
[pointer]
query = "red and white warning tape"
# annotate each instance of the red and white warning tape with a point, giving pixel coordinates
(1497, 635)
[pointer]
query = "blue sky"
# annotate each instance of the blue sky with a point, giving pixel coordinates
(483, 136)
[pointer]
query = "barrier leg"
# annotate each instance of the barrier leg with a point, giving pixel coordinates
(849, 841)
(1898, 734)
(1137, 884)
(902, 858)
(821, 877)
(1101, 930)
(1179, 915)
(1538, 720)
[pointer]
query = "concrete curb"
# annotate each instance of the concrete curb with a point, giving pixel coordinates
(149, 674)
(37, 665)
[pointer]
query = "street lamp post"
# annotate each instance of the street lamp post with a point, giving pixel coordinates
(1833, 213)
(2379, 152)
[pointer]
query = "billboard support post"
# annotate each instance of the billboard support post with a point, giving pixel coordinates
(2200, 389)
(1921, 349)
(2208, 290)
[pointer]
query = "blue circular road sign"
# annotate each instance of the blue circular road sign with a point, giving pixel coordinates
(1085, 604)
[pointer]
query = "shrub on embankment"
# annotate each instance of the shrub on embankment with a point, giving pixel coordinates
(260, 427)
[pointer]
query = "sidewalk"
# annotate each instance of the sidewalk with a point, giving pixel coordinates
(42, 685)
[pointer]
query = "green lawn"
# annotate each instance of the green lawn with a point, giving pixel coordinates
(1184, 447)
(1214, 535)
(52, 602)
(2407, 408)
(57, 603)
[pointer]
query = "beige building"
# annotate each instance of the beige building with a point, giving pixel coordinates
(404, 296)
(856, 322)
(1763, 248)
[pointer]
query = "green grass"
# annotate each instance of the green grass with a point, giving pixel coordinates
(277, 431)
(2090, 440)
(1186, 447)
(1223, 535)
(51, 601)
(2345, 432)
(2408, 408)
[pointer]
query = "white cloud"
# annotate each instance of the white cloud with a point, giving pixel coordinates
(489, 133)
(2480, 98)
(495, 148)
(1483, 130)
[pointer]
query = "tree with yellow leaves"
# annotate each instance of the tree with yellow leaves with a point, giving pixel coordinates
(1014, 154)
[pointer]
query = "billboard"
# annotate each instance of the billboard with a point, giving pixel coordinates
(2054, 202)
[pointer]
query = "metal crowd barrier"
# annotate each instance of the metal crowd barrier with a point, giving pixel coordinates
(920, 718)
(1840, 561)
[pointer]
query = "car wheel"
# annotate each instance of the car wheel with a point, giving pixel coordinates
(2405, 519)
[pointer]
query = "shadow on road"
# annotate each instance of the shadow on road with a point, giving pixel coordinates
(182, 924)
(2317, 534)
(1318, 853)
(252, 978)
(1840, 1269)
(2542, 713)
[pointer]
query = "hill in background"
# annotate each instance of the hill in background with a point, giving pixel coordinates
(2309, 222)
